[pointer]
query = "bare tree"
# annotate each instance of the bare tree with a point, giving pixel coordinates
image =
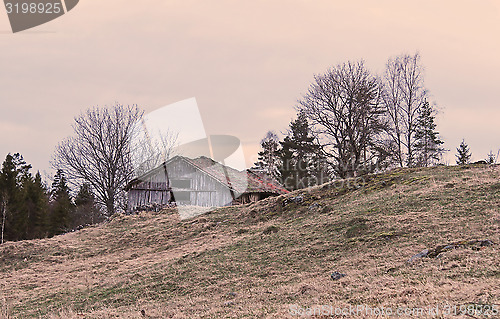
(3, 206)
(99, 152)
(391, 97)
(403, 95)
(269, 161)
(151, 149)
(343, 106)
(491, 158)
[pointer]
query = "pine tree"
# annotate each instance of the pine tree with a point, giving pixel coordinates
(463, 154)
(269, 160)
(61, 205)
(427, 146)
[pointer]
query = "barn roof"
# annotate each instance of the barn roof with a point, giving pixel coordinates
(246, 181)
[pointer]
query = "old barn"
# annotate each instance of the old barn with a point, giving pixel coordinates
(199, 182)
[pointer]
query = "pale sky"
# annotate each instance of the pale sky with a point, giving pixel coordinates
(245, 62)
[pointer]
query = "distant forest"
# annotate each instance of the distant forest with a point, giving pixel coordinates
(30, 209)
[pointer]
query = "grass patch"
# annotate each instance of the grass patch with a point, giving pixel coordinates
(271, 254)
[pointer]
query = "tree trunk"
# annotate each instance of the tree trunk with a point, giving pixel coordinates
(4, 214)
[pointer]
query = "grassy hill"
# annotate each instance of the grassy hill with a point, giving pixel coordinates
(275, 258)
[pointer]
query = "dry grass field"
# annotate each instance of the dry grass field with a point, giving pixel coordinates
(274, 259)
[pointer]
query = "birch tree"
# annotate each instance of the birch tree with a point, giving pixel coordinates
(404, 94)
(269, 159)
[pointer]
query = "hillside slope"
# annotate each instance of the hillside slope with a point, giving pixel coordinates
(275, 258)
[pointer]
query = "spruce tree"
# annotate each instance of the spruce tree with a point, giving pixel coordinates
(7, 191)
(26, 209)
(428, 145)
(300, 156)
(287, 169)
(61, 205)
(14, 173)
(35, 200)
(86, 210)
(23, 201)
(463, 154)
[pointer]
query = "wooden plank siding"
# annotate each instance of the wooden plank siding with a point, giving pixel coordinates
(199, 182)
(204, 190)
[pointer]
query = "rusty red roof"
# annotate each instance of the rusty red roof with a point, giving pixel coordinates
(246, 181)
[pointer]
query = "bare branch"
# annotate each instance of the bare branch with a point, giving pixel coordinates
(100, 152)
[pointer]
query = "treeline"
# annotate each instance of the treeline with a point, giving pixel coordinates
(352, 122)
(30, 209)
